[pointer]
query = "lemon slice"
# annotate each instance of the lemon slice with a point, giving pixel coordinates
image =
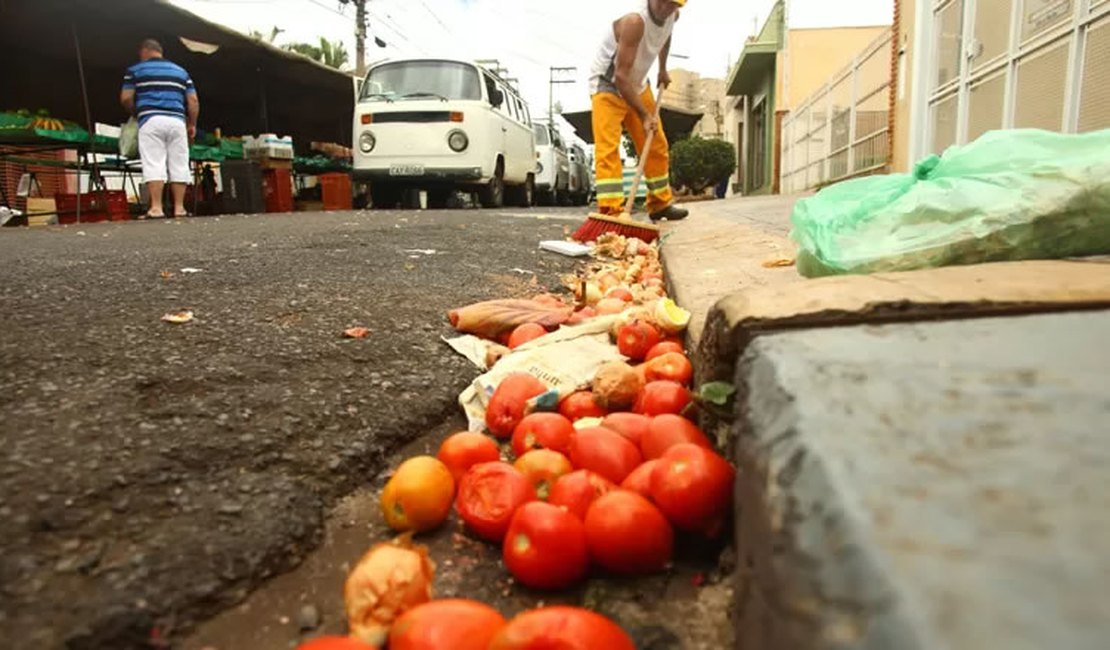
(670, 317)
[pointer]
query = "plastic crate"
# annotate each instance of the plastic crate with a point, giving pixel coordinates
(95, 206)
(277, 190)
(335, 190)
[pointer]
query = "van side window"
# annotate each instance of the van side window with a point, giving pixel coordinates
(491, 88)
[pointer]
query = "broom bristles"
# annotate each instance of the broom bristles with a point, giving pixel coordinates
(598, 224)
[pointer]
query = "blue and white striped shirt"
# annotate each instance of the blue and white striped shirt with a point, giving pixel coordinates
(160, 88)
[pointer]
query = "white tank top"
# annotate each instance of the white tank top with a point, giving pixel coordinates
(603, 72)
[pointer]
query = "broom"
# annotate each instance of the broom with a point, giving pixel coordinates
(598, 224)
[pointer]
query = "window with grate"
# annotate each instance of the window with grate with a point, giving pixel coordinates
(1094, 105)
(1041, 80)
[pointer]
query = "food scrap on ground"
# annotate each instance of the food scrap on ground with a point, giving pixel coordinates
(584, 412)
(356, 332)
(178, 318)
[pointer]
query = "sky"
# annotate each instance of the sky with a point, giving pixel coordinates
(529, 36)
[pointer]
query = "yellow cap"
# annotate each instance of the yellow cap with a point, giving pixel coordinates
(681, 3)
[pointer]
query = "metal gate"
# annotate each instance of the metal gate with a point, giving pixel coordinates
(991, 64)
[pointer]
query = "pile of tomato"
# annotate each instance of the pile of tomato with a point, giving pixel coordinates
(604, 482)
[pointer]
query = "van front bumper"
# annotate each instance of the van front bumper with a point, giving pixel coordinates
(467, 174)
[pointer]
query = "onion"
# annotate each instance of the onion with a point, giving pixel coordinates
(610, 306)
(616, 385)
(390, 579)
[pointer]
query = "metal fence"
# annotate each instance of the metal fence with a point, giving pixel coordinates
(841, 131)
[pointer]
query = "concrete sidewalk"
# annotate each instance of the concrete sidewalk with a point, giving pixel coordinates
(903, 486)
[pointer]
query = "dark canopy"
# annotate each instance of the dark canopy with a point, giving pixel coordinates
(245, 86)
(677, 123)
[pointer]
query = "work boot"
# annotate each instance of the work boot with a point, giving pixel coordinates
(670, 213)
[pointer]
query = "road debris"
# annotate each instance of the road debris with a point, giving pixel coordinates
(178, 318)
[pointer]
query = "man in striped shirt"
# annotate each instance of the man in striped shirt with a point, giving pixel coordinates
(161, 95)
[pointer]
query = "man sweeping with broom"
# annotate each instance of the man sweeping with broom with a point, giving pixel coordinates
(622, 97)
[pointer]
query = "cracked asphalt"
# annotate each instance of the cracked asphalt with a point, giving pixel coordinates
(151, 474)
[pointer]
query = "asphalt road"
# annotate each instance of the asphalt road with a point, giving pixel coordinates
(151, 474)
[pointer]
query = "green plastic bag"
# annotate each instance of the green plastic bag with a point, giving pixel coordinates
(1010, 195)
(129, 139)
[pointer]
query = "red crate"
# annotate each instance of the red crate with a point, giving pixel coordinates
(335, 190)
(277, 190)
(95, 206)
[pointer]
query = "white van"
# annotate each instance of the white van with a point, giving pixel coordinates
(442, 125)
(552, 165)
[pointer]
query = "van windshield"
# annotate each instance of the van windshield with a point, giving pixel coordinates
(542, 137)
(420, 80)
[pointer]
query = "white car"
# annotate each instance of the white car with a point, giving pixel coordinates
(581, 175)
(552, 166)
(442, 125)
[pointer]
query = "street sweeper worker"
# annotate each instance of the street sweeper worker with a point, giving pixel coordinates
(622, 97)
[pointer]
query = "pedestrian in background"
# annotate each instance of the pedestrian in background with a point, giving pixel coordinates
(161, 95)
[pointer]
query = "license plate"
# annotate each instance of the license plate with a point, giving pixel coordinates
(406, 170)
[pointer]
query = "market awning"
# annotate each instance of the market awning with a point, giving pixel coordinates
(678, 123)
(245, 86)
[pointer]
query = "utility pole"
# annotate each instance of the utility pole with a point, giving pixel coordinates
(551, 88)
(360, 34)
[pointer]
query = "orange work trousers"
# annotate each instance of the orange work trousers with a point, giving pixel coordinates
(610, 113)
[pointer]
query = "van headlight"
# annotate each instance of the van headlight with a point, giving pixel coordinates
(457, 140)
(366, 142)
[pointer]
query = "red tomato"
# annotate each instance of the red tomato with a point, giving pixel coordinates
(620, 293)
(603, 451)
(524, 333)
(335, 643)
(564, 628)
(542, 467)
(543, 431)
(581, 405)
(630, 425)
(639, 481)
(489, 494)
(577, 490)
(627, 534)
(461, 451)
(449, 623)
(659, 397)
(673, 366)
(584, 314)
(668, 430)
(664, 347)
(636, 338)
(545, 547)
(506, 406)
(693, 487)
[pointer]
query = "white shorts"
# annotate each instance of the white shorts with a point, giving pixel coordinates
(164, 146)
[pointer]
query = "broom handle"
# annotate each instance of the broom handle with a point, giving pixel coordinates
(643, 157)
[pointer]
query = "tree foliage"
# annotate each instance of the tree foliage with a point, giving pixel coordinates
(697, 163)
(331, 53)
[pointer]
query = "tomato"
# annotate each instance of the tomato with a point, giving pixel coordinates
(335, 643)
(453, 623)
(542, 467)
(506, 406)
(418, 495)
(636, 338)
(603, 451)
(621, 293)
(461, 451)
(673, 366)
(659, 397)
(584, 314)
(630, 425)
(489, 494)
(668, 430)
(561, 628)
(543, 431)
(664, 347)
(581, 405)
(639, 481)
(627, 534)
(545, 547)
(693, 487)
(577, 490)
(524, 333)
(609, 306)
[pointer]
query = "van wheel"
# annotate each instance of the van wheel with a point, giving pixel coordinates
(493, 194)
(522, 195)
(384, 196)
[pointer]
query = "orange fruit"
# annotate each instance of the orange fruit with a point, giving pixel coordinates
(418, 497)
